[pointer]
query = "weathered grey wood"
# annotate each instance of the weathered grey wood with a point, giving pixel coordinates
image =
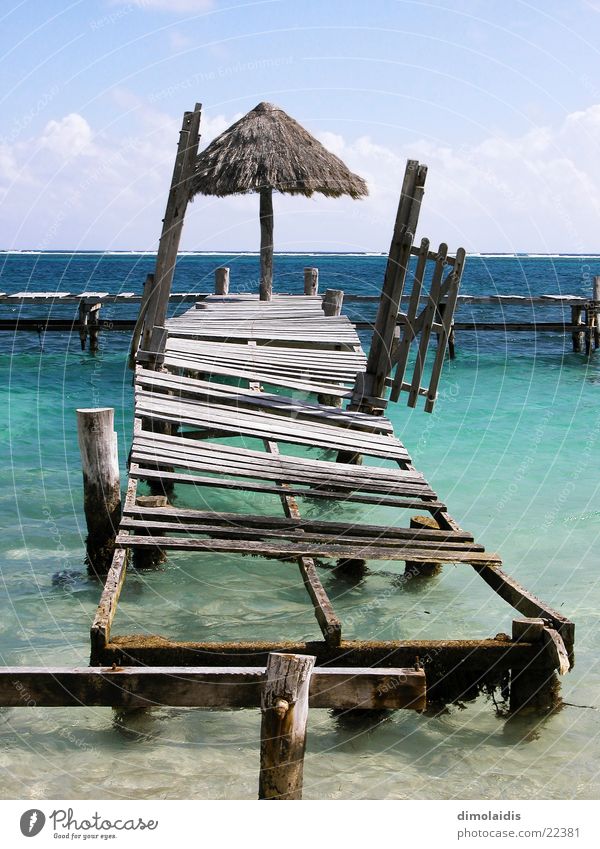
(525, 602)
(451, 286)
(179, 514)
(172, 226)
(207, 686)
(379, 363)
(429, 317)
(240, 532)
(333, 494)
(83, 320)
(329, 623)
(284, 708)
(426, 570)
(533, 685)
(311, 281)
(93, 327)
(332, 302)
(330, 550)
(107, 607)
(140, 325)
(408, 329)
(266, 244)
(101, 485)
(221, 281)
(577, 336)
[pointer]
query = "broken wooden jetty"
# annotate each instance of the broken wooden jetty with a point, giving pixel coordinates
(583, 324)
(287, 374)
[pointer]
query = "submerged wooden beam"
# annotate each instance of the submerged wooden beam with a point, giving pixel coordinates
(212, 687)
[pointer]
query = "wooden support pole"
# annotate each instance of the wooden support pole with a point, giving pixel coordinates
(311, 281)
(595, 311)
(370, 386)
(171, 230)
(266, 244)
(332, 302)
(94, 326)
(425, 570)
(83, 321)
(141, 333)
(101, 487)
(534, 687)
(452, 343)
(150, 558)
(221, 281)
(576, 336)
(284, 706)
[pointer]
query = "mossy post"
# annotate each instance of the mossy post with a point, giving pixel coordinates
(101, 485)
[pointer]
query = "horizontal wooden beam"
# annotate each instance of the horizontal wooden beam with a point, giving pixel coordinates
(229, 687)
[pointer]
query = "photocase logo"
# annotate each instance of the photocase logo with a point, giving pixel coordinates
(32, 822)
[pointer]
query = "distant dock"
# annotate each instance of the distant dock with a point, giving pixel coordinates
(87, 321)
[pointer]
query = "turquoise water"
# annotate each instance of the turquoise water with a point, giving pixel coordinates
(512, 448)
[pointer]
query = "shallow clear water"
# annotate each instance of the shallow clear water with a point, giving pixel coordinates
(512, 448)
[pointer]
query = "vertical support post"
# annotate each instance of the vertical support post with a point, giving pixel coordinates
(534, 688)
(171, 230)
(576, 334)
(266, 244)
(221, 281)
(332, 302)
(101, 485)
(596, 313)
(141, 333)
(150, 558)
(94, 327)
(415, 568)
(284, 706)
(452, 343)
(311, 281)
(83, 320)
(371, 385)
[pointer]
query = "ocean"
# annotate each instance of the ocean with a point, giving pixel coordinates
(512, 447)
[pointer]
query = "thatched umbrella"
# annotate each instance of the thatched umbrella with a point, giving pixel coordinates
(266, 150)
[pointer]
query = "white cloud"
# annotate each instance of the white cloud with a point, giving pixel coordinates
(539, 191)
(68, 137)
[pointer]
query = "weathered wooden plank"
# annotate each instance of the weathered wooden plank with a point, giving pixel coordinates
(525, 602)
(206, 686)
(330, 550)
(107, 607)
(178, 514)
(337, 494)
(240, 532)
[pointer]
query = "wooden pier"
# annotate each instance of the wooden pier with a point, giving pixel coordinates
(277, 397)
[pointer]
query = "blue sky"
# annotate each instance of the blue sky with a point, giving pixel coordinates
(500, 99)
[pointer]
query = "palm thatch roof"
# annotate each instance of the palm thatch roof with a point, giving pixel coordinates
(268, 149)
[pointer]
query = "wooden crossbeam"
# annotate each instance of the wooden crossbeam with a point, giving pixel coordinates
(208, 687)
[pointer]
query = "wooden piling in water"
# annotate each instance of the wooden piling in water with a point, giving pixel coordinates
(222, 281)
(311, 281)
(101, 485)
(534, 687)
(577, 335)
(422, 570)
(284, 706)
